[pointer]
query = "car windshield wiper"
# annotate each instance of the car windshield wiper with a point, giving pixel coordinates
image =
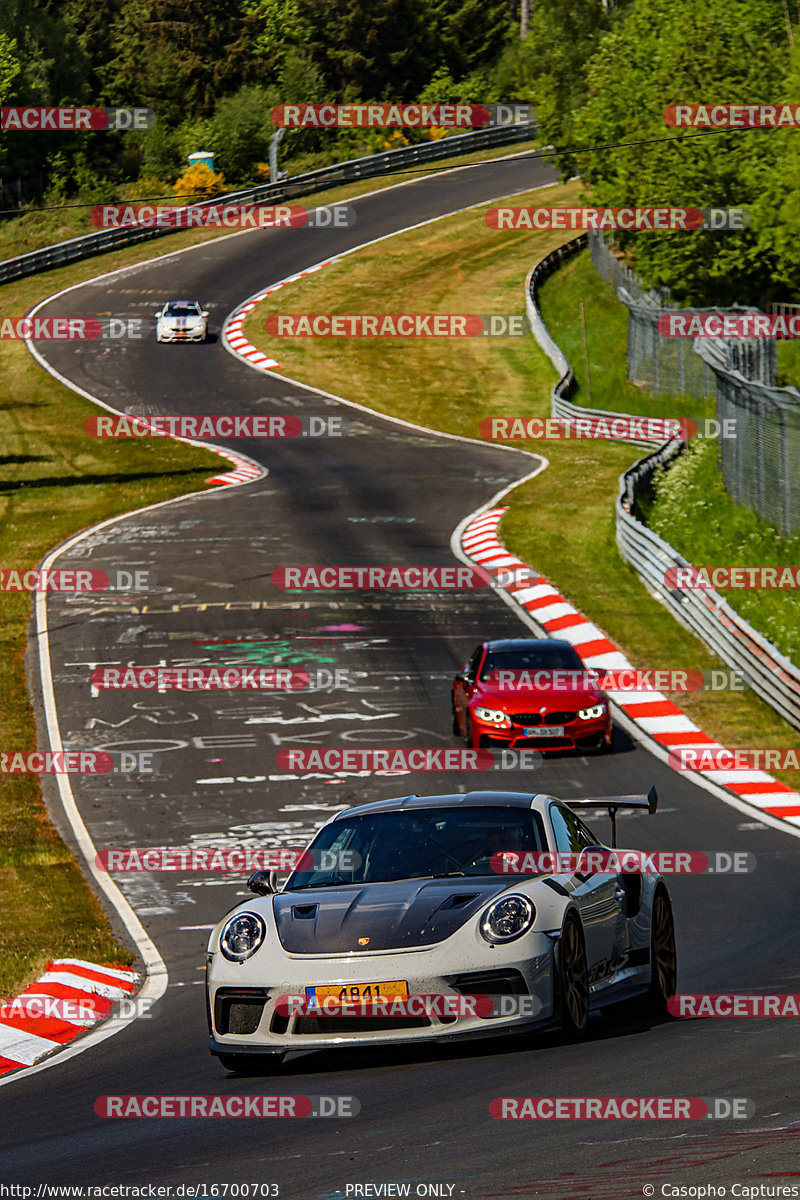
(325, 883)
(449, 875)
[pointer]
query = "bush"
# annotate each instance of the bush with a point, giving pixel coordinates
(240, 131)
(199, 183)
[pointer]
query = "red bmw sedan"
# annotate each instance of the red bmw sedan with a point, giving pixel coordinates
(525, 692)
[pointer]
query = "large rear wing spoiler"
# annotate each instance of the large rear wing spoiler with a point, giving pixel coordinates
(613, 803)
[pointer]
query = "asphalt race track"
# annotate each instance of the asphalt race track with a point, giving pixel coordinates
(384, 494)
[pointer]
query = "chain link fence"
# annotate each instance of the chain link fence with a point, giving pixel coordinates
(661, 364)
(761, 464)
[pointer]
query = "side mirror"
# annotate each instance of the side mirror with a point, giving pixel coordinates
(204, 313)
(464, 676)
(158, 314)
(586, 867)
(263, 883)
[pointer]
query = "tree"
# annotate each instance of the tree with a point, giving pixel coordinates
(280, 27)
(564, 36)
(776, 196)
(178, 58)
(384, 50)
(470, 34)
(689, 52)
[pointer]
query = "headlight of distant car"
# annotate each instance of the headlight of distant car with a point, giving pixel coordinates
(507, 919)
(241, 936)
(590, 714)
(494, 715)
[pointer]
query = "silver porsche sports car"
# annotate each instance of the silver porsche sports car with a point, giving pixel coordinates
(440, 917)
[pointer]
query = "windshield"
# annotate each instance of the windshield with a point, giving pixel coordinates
(183, 308)
(531, 658)
(419, 844)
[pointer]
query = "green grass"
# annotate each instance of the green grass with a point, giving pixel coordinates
(694, 513)
(606, 317)
(789, 363)
(562, 522)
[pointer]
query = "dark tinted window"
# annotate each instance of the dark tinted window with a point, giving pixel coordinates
(571, 834)
(474, 662)
(424, 842)
(535, 658)
(183, 309)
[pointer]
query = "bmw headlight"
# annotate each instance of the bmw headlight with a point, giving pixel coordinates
(492, 714)
(507, 918)
(241, 936)
(591, 714)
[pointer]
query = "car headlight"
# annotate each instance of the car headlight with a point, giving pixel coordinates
(507, 919)
(591, 714)
(492, 714)
(241, 936)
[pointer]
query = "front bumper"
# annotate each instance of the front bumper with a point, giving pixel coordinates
(578, 735)
(181, 335)
(244, 1018)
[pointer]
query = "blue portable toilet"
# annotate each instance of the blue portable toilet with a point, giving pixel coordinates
(205, 157)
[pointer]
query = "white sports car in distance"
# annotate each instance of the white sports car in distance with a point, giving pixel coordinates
(181, 321)
(406, 927)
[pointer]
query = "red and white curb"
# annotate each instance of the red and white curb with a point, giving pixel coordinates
(245, 470)
(27, 1040)
(649, 710)
(234, 340)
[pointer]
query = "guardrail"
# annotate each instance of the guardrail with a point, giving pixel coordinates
(701, 610)
(312, 181)
(560, 406)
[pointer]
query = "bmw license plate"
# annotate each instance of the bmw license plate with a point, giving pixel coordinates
(545, 731)
(357, 991)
